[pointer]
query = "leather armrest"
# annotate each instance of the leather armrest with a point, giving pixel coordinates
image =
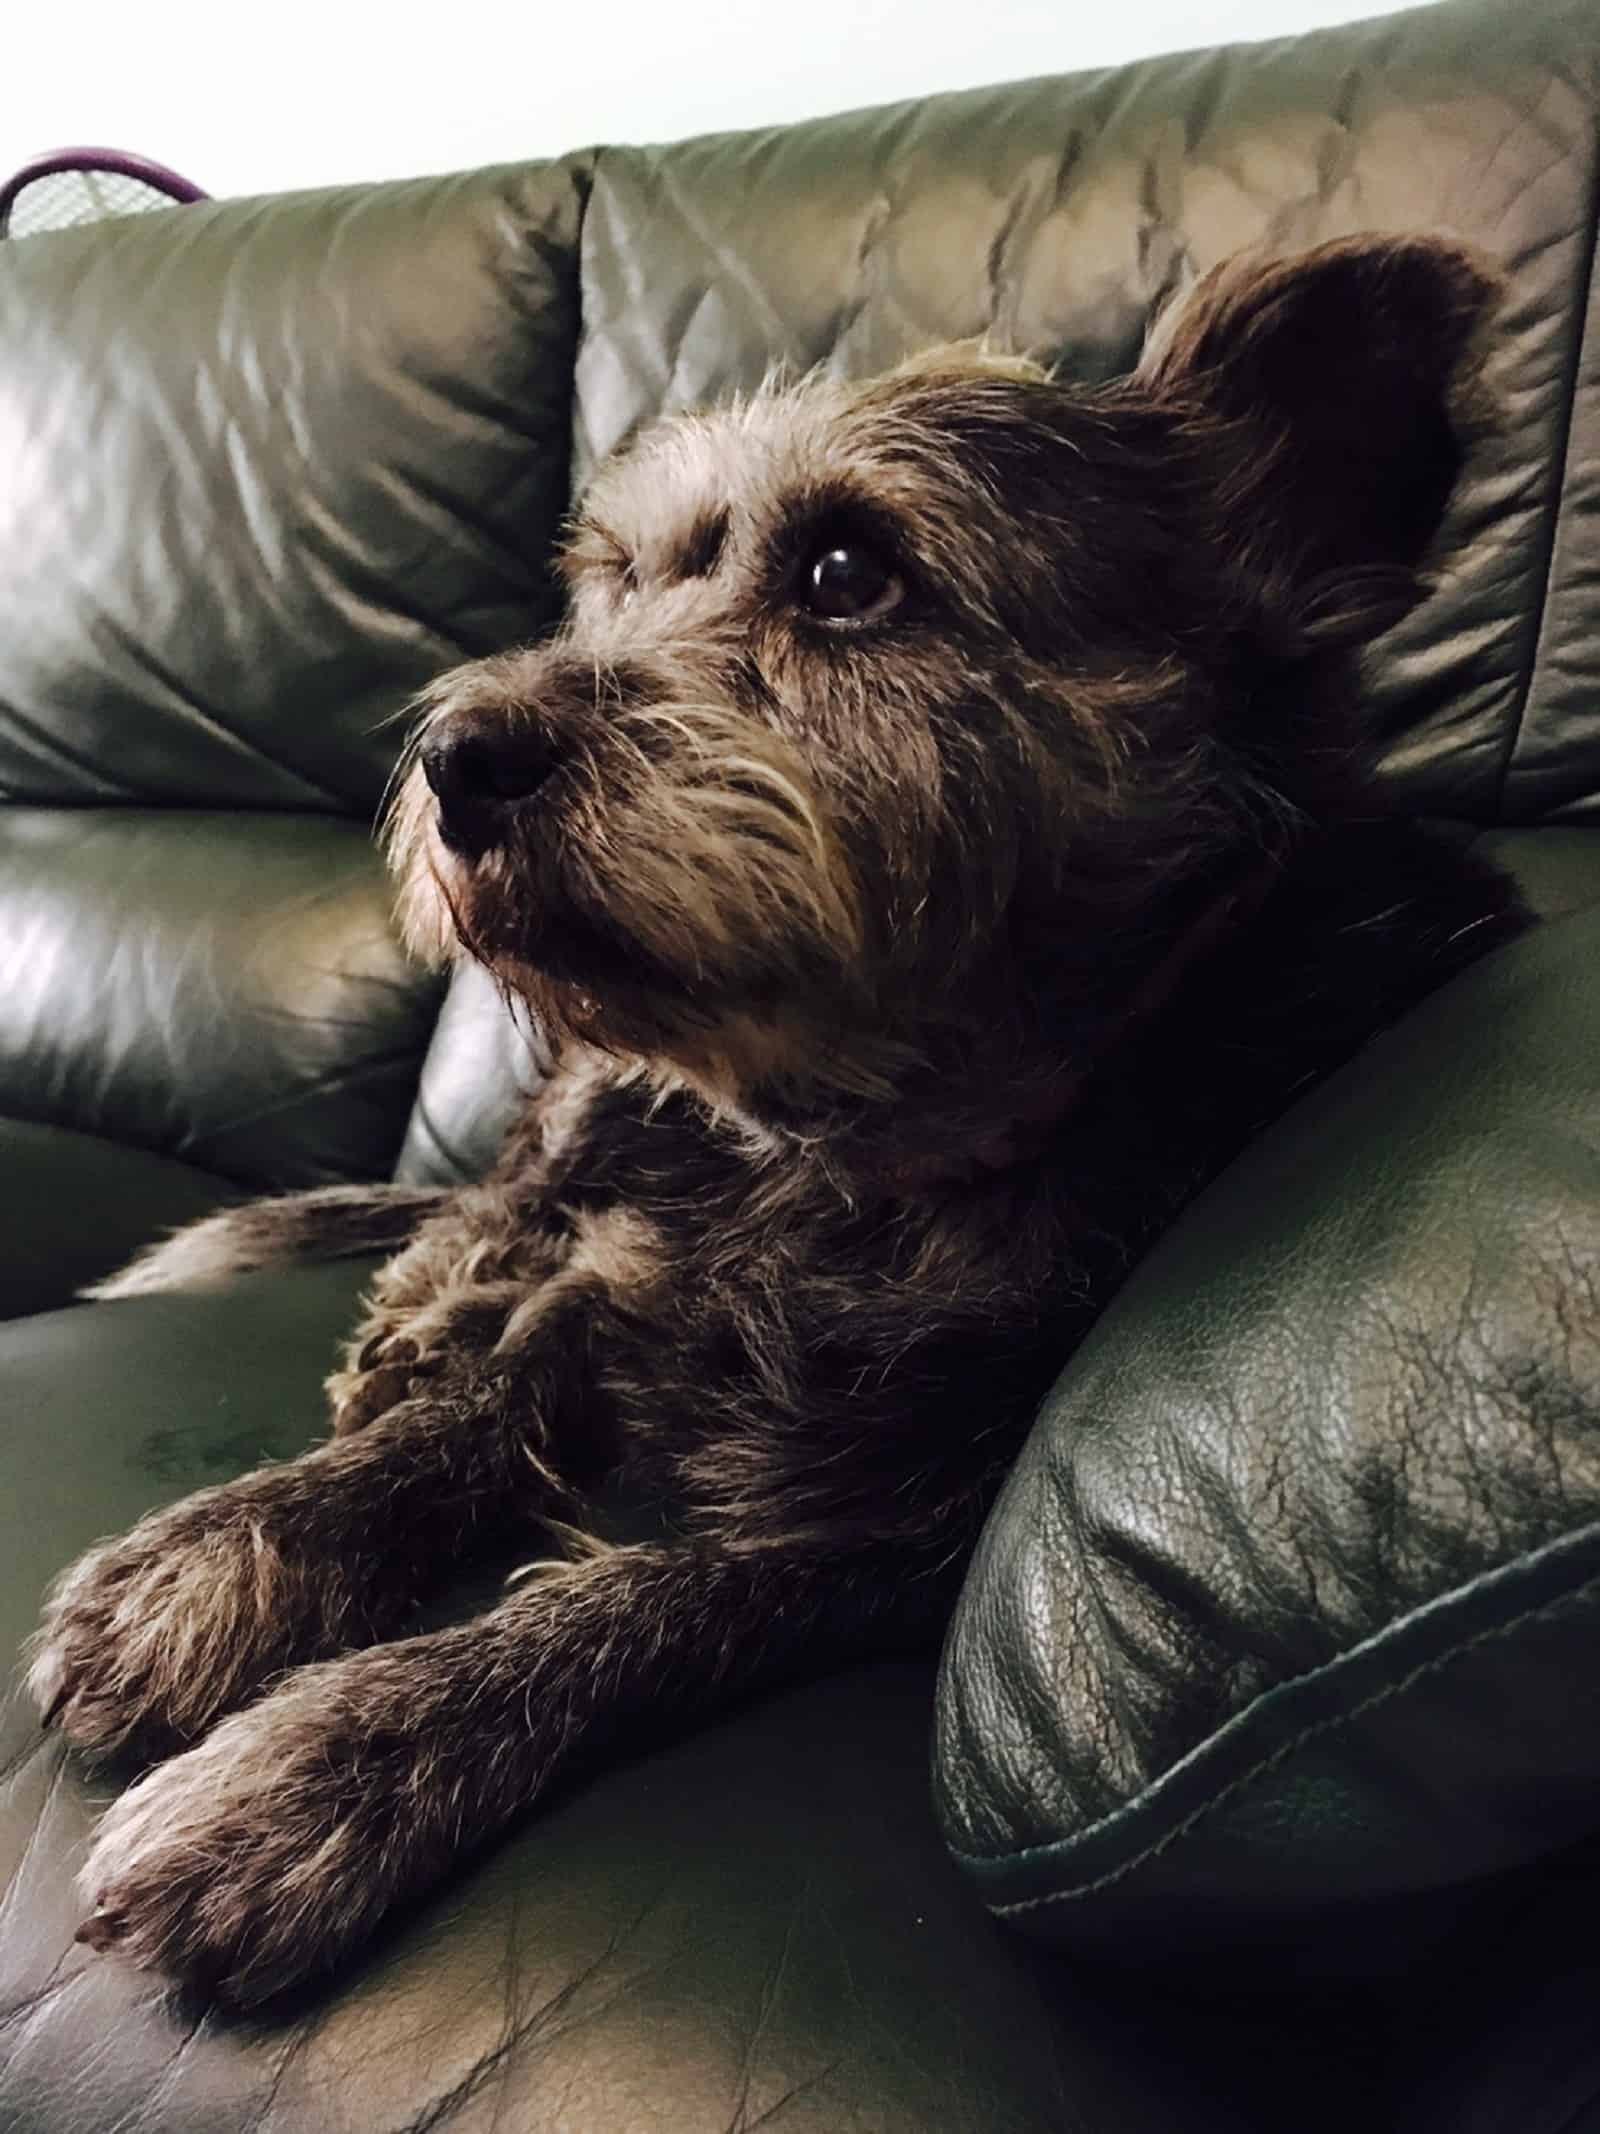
(1285, 1623)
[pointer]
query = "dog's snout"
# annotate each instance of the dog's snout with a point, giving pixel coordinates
(478, 764)
(477, 773)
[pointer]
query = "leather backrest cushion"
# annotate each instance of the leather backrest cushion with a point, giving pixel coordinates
(1058, 213)
(219, 987)
(267, 466)
(1290, 1609)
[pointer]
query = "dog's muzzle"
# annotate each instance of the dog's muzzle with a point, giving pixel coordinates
(480, 771)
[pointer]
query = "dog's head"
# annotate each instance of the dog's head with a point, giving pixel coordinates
(880, 706)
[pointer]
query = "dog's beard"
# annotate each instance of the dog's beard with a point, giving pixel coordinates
(679, 893)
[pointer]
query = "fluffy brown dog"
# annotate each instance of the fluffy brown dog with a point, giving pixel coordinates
(934, 843)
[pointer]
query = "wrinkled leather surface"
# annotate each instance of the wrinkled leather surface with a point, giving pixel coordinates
(266, 467)
(756, 1926)
(75, 1206)
(1292, 1602)
(222, 988)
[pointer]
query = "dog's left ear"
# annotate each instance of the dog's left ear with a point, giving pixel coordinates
(1337, 384)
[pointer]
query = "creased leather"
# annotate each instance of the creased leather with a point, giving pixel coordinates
(1292, 1602)
(222, 988)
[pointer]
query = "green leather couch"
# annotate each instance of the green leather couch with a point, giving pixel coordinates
(1266, 1743)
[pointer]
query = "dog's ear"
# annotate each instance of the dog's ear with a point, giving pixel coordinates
(1337, 385)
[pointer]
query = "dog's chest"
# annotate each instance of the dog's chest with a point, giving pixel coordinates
(752, 1272)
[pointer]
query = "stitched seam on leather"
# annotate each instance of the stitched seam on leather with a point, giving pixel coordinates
(1587, 1591)
(1561, 459)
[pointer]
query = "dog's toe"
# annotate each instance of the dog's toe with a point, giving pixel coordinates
(251, 1862)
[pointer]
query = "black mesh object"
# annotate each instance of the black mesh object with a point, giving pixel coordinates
(78, 185)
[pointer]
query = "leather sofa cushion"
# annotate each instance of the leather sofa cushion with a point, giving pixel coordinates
(1285, 1623)
(221, 988)
(269, 465)
(76, 1207)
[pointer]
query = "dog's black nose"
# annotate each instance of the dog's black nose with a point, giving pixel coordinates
(478, 773)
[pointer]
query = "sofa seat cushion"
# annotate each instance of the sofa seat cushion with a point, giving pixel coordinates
(1285, 1623)
(1556, 867)
(225, 988)
(755, 1925)
(75, 1207)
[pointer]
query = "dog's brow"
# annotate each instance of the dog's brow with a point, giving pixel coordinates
(697, 554)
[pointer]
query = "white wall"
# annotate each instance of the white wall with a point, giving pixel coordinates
(256, 95)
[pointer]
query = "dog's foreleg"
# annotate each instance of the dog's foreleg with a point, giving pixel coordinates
(147, 1639)
(275, 1847)
(328, 1223)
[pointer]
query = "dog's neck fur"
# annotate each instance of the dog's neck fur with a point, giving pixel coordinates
(1024, 1127)
(1287, 968)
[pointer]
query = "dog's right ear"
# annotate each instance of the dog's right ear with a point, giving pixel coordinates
(1336, 384)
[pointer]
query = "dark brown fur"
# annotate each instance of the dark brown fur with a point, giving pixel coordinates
(909, 968)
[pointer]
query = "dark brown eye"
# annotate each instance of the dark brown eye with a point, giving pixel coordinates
(850, 582)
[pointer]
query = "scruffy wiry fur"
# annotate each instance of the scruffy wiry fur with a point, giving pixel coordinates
(935, 841)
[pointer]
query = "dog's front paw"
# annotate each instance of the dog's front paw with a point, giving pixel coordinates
(259, 1859)
(141, 1640)
(358, 1395)
(146, 1640)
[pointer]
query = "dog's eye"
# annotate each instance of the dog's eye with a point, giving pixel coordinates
(850, 582)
